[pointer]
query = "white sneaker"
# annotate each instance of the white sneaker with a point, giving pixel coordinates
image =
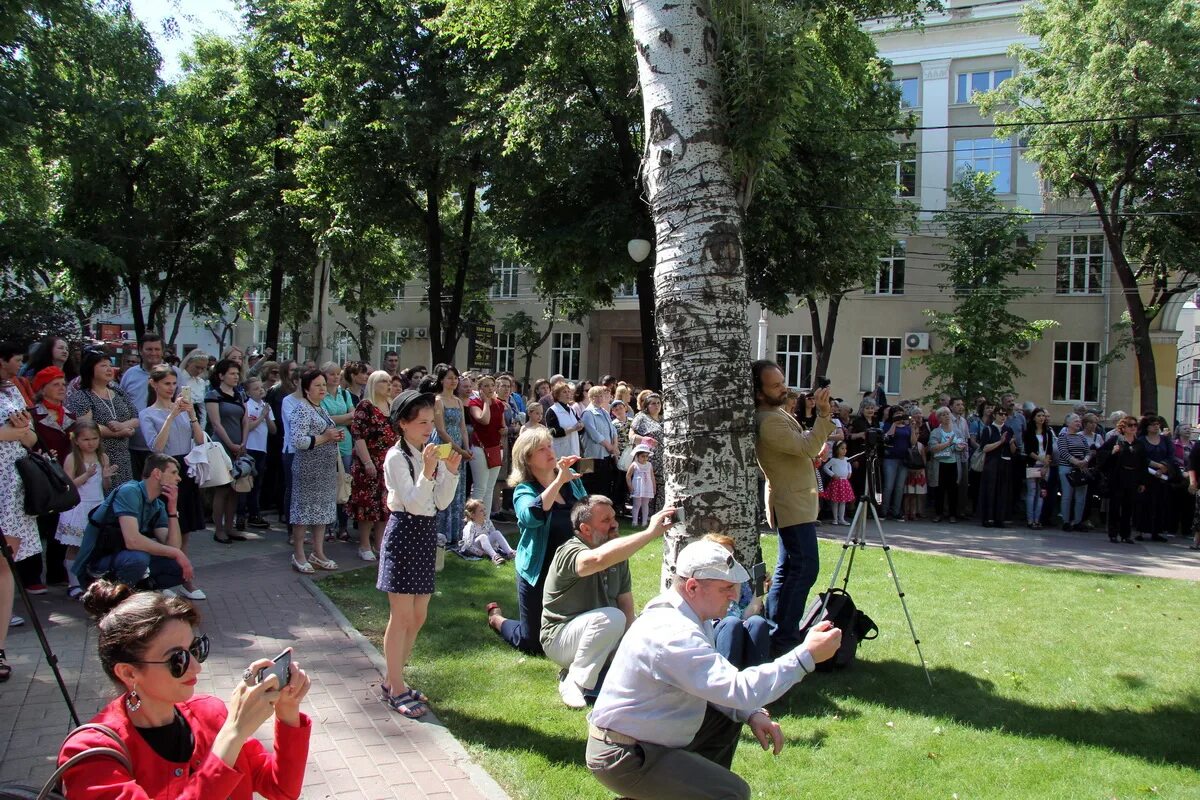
(16, 621)
(571, 694)
(366, 555)
(170, 592)
(194, 594)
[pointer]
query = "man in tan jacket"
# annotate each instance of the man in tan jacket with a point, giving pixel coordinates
(785, 453)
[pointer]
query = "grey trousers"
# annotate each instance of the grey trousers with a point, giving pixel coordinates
(646, 771)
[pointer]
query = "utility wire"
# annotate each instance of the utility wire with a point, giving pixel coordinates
(986, 124)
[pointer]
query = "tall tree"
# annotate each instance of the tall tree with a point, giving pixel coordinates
(1106, 104)
(979, 341)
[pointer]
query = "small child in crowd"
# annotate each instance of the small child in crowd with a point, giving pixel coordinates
(480, 537)
(640, 480)
(533, 417)
(88, 467)
(839, 492)
(262, 422)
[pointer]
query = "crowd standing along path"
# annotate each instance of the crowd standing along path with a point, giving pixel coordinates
(360, 749)
(257, 606)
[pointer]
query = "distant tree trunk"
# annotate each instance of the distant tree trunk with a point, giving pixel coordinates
(178, 322)
(135, 307)
(823, 337)
(433, 263)
(700, 280)
(274, 303)
(645, 292)
(453, 322)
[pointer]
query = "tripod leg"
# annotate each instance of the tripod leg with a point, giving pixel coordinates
(887, 551)
(51, 659)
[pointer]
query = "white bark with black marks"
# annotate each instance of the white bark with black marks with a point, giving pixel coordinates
(699, 277)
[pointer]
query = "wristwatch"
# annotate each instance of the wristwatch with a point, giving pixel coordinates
(173, 516)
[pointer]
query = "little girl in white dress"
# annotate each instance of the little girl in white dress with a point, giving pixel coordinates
(480, 537)
(88, 467)
(640, 480)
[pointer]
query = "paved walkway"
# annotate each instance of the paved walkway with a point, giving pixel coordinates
(257, 606)
(360, 749)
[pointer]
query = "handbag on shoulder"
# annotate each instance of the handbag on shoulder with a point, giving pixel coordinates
(52, 789)
(48, 488)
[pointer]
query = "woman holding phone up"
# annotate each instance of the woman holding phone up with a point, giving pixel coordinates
(181, 744)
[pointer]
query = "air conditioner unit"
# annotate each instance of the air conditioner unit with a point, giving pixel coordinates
(405, 333)
(128, 336)
(916, 340)
(422, 333)
(1023, 346)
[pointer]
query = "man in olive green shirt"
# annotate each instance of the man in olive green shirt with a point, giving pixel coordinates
(588, 600)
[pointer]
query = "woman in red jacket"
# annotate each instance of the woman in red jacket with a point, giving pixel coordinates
(181, 745)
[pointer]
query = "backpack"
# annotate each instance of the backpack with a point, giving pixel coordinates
(915, 458)
(841, 611)
(52, 790)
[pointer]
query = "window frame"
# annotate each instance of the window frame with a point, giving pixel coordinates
(892, 360)
(1003, 147)
(970, 75)
(385, 346)
(1089, 361)
(899, 84)
(908, 155)
(505, 280)
(888, 262)
(802, 359)
(558, 351)
(1077, 261)
(504, 348)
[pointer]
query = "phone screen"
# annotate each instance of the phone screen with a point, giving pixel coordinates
(584, 466)
(444, 450)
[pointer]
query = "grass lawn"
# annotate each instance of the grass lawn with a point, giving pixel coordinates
(1046, 684)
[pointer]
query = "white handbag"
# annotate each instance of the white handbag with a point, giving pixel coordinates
(626, 458)
(209, 465)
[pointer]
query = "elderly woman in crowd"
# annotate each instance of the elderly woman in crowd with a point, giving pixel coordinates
(999, 449)
(339, 404)
(856, 443)
(648, 425)
(563, 422)
(1072, 453)
(193, 379)
(53, 424)
(181, 744)
(943, 450)
(1124, 462)
(110, 408)
(545, 491)
(315, 438)
(373, 435)
(1155, 499)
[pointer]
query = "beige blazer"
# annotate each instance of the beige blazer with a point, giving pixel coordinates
(785, 454)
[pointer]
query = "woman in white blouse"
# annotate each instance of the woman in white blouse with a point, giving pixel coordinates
(562, 421)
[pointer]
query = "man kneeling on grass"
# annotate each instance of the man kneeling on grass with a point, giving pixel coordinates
(588, 601)
(668, 718)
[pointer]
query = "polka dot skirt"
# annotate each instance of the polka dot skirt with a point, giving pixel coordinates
(408, 554)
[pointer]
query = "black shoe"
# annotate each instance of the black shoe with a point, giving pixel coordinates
(1140, 538)
(236, 537)
(1004, 525)
(219, 540)
(1068, 527)
(1154, 537)
(239, 524)
(258, 522)
(1112, 539)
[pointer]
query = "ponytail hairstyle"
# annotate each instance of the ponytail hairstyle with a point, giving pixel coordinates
(127, 621)
(77, 454)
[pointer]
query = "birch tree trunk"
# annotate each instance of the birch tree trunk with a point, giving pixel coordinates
(699, 278)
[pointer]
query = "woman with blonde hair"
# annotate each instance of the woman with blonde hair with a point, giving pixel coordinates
(193, 381)
(339, 405)
(373, 435)
(545, 491)
(648, 425)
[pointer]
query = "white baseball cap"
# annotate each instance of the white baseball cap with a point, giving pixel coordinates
(704, 559)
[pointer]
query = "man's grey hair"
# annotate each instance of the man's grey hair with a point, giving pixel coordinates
(584, 508)
(1071, 418)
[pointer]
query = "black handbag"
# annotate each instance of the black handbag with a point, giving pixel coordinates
(48, 489)
(1078, 477)
(836, 606)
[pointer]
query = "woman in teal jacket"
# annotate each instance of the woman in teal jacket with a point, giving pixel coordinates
(544, 492)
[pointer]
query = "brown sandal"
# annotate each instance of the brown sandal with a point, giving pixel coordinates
(5, 669)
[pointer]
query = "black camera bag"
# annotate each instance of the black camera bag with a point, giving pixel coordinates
(840, 610)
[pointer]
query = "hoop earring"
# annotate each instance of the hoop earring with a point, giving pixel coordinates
(132, 701)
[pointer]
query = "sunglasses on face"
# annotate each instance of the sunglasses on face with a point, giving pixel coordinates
(179, 660)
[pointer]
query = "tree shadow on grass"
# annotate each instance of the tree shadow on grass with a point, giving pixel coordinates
(1161, 733)
(503, 736)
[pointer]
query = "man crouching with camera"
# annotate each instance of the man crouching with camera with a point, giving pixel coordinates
(667, 721)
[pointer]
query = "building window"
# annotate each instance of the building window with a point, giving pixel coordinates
(794, 355)
(1080, 267)
(389, 340)
(504, 280)
(626, 291)
(890, 279)
(971, 82)
(342, 348)
(985, 155)
(506, 350)
(880, 359)
(564, 355)
(909, 89)
(1076, 372)
(906, 170)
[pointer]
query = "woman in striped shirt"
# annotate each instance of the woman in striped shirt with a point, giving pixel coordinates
(1072, 453)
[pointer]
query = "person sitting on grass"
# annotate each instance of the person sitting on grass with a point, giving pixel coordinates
(743, 635)
(480, 537)
(587, 604)
(134, 534)
(669, 716)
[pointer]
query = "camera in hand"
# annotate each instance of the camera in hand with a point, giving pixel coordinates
(822, 382)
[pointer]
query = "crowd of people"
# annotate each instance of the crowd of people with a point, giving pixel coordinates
(407, 466)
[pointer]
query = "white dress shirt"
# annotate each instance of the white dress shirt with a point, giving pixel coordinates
(423, 498)
(667, 670)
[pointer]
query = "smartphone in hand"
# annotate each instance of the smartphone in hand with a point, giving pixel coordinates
(281, 668)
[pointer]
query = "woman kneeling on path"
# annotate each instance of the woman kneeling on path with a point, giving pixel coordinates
(418, 486)
(180, 744)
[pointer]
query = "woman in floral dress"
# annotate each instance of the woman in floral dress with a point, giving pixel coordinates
(648, 425)
(373, 435)
(110, 408)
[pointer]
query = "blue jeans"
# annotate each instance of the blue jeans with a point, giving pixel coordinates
(744, 642)
(894, 475)
(248, 503)
(1073, 498)
(524, 632)
(131, 567)
(795, 573)
(1033, 500)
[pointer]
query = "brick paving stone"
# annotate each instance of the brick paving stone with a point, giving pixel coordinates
(258, 606)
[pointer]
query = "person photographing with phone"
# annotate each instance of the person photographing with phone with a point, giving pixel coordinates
(669, 716)
(785, 454)
(181, 744)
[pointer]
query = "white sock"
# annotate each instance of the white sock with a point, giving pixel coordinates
(71, 579)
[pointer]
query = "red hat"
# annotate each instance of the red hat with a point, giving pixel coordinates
(45, 376)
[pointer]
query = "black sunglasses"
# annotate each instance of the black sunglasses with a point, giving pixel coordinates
(179, 660)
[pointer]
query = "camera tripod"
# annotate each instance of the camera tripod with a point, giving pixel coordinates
(856, 538)
(51, 659)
